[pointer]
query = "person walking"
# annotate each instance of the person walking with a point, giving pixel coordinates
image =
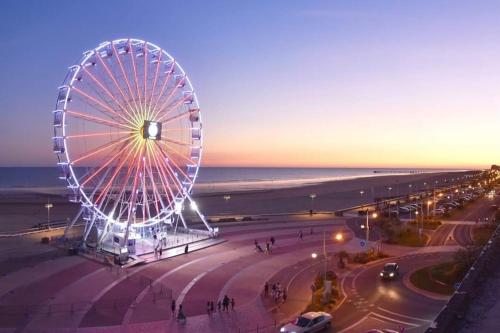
(272, 240)
(180, 315)
(300, 234)
(219, 304)
(172, 307)
(225, 303)
(232, 304)
(212, 307)
(161, 251)
(208, 308)
(186, 249)
(268, 248)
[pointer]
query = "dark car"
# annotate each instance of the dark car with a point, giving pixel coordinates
(390, 271)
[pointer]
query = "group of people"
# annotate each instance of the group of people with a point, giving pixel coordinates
(181, 317)
(221, 305)
(278, 292)
(269, 245)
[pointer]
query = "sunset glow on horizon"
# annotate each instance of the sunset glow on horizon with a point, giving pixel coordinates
(282, 83)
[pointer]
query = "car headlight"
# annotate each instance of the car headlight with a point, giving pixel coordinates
(282, 329)
(391, 274)
(381, 274)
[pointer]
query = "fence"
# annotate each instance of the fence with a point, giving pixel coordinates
(449, 319)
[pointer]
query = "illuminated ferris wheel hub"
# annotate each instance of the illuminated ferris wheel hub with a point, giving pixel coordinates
(128, 138)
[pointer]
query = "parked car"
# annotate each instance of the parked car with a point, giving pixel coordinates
(390, 271)
(309, 322)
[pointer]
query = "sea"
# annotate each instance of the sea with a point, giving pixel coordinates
(213, 179)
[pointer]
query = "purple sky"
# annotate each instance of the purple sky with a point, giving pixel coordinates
(281, 83)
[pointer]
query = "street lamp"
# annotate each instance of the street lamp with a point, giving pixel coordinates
(48, 205)
(374, 216)
(314, 255)
(312, 196)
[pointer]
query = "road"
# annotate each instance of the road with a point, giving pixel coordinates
(453, 232)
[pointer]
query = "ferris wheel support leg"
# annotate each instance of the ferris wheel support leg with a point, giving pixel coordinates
(88, 227)
(183, 222)
(68, 227)
(201, 216)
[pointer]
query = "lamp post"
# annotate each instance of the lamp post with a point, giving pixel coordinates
(374, 216)
(312, 196)
(48, 205)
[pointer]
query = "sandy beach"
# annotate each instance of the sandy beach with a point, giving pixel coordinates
(21, 209)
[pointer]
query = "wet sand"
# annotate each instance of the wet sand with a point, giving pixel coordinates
(24, 209)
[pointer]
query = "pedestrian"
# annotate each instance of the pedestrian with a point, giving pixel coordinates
(211, 306)
(300, 234)
(219, 304)
(180, 315)
(268, 248)
(266, 289)
(186, 249)
(208, 308)
(156, 255)
(225, 303)
(161, 251)
(232, 304)
(172, 307)
(273, 240)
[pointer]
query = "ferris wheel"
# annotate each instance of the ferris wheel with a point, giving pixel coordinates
(128, 137)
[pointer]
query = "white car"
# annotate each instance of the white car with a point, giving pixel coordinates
(308, 323)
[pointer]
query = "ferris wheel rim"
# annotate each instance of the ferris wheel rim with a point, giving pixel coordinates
(77, 187)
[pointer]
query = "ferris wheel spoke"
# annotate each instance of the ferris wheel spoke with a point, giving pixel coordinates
(133, 197)
(164, 85)
(100, 103)
(165, 155)
(154, 85)
(100, 149)
(127, 82)
(135, 150)
(108, 162)
(98, 120)
(161, 166)
(180, 143)
(156, 193)
(145, 79)
(176, 152)
(164, 104)
(106, 90)
(96, 134)
(132, 56)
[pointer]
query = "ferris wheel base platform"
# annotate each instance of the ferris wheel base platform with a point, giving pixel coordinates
(147, 258)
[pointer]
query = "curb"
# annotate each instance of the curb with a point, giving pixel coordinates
(408, 284)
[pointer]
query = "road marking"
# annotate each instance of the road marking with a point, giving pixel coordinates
(190, 285)
(354, 325)
(138, 299)
(393, 319)
(400, 315)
